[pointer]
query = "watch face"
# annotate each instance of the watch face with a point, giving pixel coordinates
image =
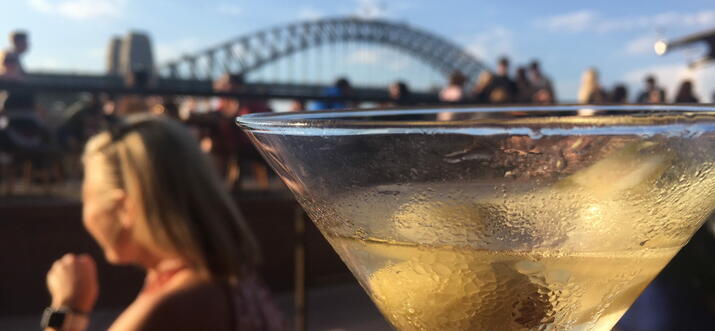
(53, 318)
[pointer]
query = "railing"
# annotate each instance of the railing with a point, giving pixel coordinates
(114, 85)
(34, 160)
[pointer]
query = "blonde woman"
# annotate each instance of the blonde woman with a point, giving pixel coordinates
(152, 199)
(591, 91)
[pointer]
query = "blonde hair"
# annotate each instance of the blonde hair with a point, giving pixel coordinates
(183, 208)
(589, 85)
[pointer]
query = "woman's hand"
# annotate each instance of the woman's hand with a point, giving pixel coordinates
(72, 282)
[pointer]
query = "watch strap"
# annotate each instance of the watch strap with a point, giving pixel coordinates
(64, 319)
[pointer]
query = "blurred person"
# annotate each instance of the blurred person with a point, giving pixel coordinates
(685, 93)
(619, 94)
(11, 68)
(399, 94)
(296, 105)
(223, 139)
(482, 88)
(655, 97)
(341, 89)
(523, 86)
(11, 64)
(503, 82)
(236, 83)
(540, 81)
(652, 93)
(454, 91)
(177, 223)
(591, 91)
(82, 120)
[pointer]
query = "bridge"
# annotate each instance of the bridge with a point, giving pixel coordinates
(250, 52)
(257, 52)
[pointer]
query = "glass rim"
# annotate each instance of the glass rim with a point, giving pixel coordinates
(502, 116)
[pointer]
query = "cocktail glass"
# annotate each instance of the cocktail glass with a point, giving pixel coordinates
(543, 218)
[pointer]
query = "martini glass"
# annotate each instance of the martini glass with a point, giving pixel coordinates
(521, 218)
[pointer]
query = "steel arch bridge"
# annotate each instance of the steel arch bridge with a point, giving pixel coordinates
(252, 51)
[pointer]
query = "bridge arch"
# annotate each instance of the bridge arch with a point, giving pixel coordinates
(252, 51)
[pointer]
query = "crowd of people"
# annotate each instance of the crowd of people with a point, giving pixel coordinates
(529, 85)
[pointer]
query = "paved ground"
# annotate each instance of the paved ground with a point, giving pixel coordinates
(333, 308)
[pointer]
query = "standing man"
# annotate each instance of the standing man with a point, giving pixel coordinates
(503, 89)
(539, 81)
(11, 65)
(11, 69)
(652, 93)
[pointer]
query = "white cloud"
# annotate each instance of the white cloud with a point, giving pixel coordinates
(492, 43)
(43, 6)
(309, 13)
(371, 9)
(641, 46)
(230, 9)
(671, 75)
(590, 20)
(174, 50)
(570, 22)
(80, 9)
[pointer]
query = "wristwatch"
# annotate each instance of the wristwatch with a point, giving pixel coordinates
(63, 319)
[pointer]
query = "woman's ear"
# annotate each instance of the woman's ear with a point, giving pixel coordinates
(123, 208)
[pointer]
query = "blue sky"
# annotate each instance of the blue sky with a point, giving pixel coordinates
(567, 36)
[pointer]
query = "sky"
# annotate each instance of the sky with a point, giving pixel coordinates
(616, 37)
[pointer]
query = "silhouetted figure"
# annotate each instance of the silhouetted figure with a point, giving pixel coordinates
(400, 94)
(236, 83)
(11, 64)
(454, 92)
(539, 81)
(503, 88)
(82, 120)
(219, 135)
(523, 86)
(619, 94)
(591, 91)
(685, 93)
(652, 93)
(342, 88)
(11, 69)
